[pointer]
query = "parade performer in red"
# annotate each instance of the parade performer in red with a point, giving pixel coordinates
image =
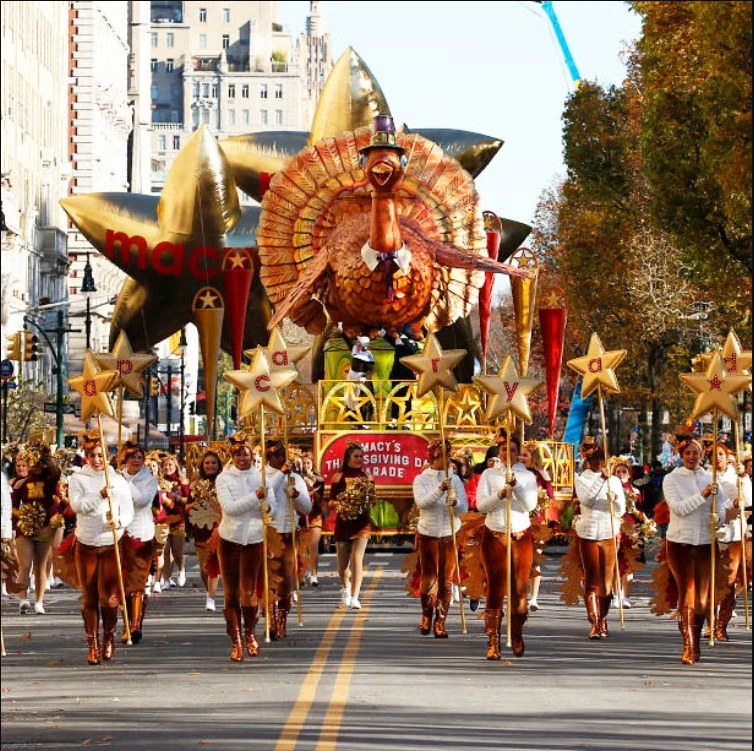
(352, 494)
(175, 492)
(244, 501)
(434, 540)
(688, 490)
(599, 495)
(492, 498)
(139, 542)
(94, 552)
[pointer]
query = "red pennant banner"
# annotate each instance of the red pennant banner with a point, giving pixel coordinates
(553, 324)
(238, 274)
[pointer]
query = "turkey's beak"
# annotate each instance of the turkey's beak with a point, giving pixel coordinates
(382, 172)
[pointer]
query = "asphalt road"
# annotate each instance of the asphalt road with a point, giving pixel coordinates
(368, 680)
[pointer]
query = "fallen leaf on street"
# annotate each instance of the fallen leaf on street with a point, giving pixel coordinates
(26, 636)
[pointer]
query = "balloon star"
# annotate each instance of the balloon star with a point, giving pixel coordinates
(509, 392)
(94, 385)
(350, 99)
(434, 367)
(174, 244)
(597, 368)
(280, 355)
(128, 363)
(715, 388)
(260, 385)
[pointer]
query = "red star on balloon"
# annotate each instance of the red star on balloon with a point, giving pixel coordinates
(597, 368)
(509, 392)
(94, 385)
(715, 388)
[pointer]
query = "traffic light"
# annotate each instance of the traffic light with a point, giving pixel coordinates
(14, 346)
(31, 346)
(154, 386)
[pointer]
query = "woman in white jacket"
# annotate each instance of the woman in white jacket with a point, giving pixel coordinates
(95, 553)
(139, 542)
(244, 501)
(600, 496)
(492, 495)
(434, 537)
(688, 491)
(731, 543)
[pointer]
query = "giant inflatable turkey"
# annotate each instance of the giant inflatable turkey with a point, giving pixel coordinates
(373, 229)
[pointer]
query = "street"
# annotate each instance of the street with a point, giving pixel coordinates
(355, 680)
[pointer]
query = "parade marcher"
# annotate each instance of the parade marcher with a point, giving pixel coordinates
(731, 543)
(492, 500)
(434, 540)
(203, 514)
(545, 515)
(94, 551)
(244, 502)
(175, 489)
(688, 491)
(600, 495)
(138, 541)
(315, 484)
(352, 495)
(36, 515)
(283, 480)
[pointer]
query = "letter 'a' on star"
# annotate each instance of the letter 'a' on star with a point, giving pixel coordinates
(434, 367)
(128, 363)
(260, 385)
(597, 368)
(94, 385)
(280, 355)
(715, 388)
(509, 392)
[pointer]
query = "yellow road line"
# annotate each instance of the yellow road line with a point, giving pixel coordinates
(331, 726)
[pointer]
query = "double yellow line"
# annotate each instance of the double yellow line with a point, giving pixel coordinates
(307, 694)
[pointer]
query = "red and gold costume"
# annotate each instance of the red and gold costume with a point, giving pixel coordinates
(352, 501)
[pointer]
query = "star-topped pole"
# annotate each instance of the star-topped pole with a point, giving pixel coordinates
(597, 368)
(509, 392)
(434, 366)
(280, 355)
(736, 360)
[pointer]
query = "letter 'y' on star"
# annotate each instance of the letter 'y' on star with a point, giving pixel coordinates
(260, 385)
(509, 392)
(715, 388)
(597, 368)
(94, 386)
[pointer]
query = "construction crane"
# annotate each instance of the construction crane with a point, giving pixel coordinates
(550, 11)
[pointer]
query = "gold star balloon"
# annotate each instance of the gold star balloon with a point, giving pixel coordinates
(434, 367)
(715, 388)
(281, 355)
(94, 385)
(736, 360)
(260, 385)
(128, 363)
(509, 392)
(597, 368)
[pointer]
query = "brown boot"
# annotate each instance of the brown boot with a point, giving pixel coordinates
(428, 611)
(129, 609)
(517, 633)
(233, 627)
(593, 613)
(686, 626)
(696, 636)
(492, 621)
(724, 614)
(273, 621)
(138, 606)
(604, 610)
(281, 622)
(91, 626)
(250, 619)
(109, 622)
(442, 613)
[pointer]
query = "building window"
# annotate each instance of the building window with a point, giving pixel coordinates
(226, 15)
(245, 117)
(226, 41)
(155, 92)
(153, 65)
(214, 91)
(205, 117)
(263, 117)
(231, 117)
(177, 143)
(202, 41)
(231, 91)
(169, 65)
(195, 117)
(170, 39)
(197, 89)
(205, 90)
(175, 91)
(278, 117)
(278, 91)
(161, 143)
(263, 91)
(155, 41)
(245, 91)
(202, 15)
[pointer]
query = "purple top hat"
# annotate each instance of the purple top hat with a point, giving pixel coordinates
(383, 134)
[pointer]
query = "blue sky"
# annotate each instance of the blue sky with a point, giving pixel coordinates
(490, 67)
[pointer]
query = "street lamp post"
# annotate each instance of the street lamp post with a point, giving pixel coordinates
(182, 345)
(87, 288)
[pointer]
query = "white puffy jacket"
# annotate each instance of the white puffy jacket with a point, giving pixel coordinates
(144, 487)
(594, 522)
(278, 481)
(729, 483)
(523, 500)
(434, 519)
(689, 509)
(237, 494)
